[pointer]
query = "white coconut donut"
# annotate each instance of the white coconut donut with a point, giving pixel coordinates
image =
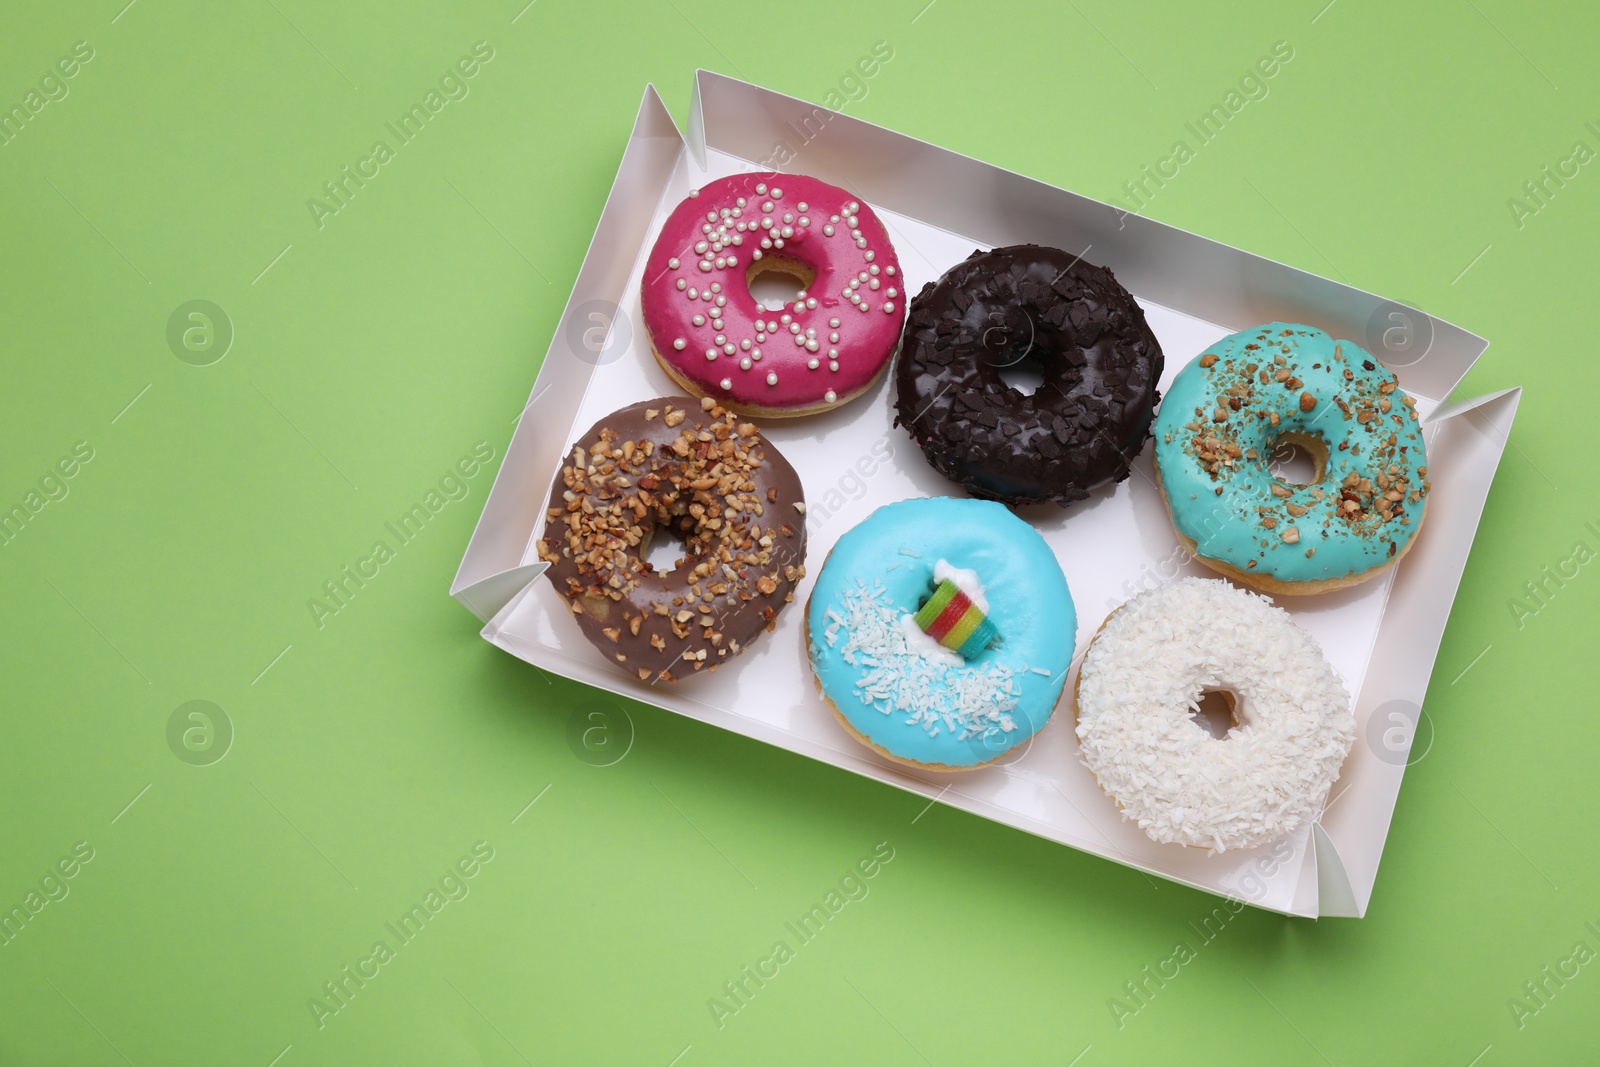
(1142, 679)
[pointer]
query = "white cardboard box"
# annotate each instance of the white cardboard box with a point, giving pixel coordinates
(1381, 636)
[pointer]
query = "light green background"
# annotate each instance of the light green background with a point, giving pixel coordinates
(371, 754)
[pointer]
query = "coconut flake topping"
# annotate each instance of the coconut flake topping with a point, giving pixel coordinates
(970, 701)
(1142, 678)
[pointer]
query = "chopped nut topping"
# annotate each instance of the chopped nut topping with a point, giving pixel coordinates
(1225, 433)
(618, 493)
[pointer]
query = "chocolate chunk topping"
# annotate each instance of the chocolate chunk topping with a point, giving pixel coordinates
(1050, 310)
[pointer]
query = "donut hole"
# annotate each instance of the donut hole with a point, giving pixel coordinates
(776, 282)
(1025, 373)
(1298, 458)
(1216, 711)
(665, 547)
(1010, 345)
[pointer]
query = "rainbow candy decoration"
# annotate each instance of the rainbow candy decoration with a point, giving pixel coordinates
(951, 618)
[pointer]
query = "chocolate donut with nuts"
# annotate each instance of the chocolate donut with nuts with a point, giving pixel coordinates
(695, 471)
(1067, 319)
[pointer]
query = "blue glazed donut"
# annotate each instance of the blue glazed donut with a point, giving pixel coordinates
(891, 683)
(1288, 384)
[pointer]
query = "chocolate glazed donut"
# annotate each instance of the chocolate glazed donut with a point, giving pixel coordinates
(703, 474)
(1068, 319)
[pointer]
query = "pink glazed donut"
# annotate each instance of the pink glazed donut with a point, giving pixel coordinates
(712, 337)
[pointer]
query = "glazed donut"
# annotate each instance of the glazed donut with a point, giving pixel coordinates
(1289, 384)
(940, 632)
(712, 337)
(1142, 678)
(1071, 321)
(692, 469)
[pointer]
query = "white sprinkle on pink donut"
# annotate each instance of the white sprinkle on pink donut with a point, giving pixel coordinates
(692, 256)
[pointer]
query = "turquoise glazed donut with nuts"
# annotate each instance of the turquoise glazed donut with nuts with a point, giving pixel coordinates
(940, 632)
(1287, 384)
